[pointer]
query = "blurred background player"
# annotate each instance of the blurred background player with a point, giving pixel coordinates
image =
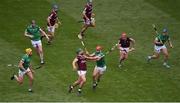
(79, 64)
(88, 17)
(25, 68)
(160, 46)
(52, 22)
(125, 45)
(100, 67)
(34, 32)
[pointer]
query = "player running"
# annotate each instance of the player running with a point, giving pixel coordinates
(100, 67)
(52, 22)
(88, 17)
(160, 46)
(79, 64)
(25, 68)
(125, 45)
(34, 32)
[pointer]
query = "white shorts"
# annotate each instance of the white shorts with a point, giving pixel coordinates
(124, 49)
(81, 72)
(22, 73)
(158, 49)
(51, 29)
(101, 69)
(88, 22)
(36, 43)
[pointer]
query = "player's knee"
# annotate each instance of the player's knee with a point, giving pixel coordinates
(125, 57)
(93, 25)
(94, 74)
(31, 78)
(122, 58)
(40, 50)
(20, 82)
(84, 80)
(167, 55)
(156, 56)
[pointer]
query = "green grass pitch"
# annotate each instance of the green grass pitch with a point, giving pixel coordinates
(137, 81)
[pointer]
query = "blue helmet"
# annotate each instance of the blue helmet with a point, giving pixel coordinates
(165, 30)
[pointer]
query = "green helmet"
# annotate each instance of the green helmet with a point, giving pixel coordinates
(79, 50)
(89, 1)
(55, 7)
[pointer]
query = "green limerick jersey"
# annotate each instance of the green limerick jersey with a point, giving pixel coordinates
(35, 31)
(101, 62)
(163, 38)
(26, 59)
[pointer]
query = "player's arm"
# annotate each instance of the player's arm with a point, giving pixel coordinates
(93, 54)
(44, 34)
(155, 29)
(58, 21)
(156, 41)
(170, 43)
(84, 14)
(21, 65)
(26, 34)
(99, 57)
(74, 64)
(118, 44)
(91, 58)
(132, 42)
(90, 55)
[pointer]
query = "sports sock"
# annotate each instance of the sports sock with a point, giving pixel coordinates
(79, 90)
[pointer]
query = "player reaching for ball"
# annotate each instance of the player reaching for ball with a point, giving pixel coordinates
(52, 22)
(88, 17)
(79, 64)
(100, 67)
(160, 46)
(25, 68)
(125, 44)
(34, 32)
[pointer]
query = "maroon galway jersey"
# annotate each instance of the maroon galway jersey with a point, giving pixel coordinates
(81, 63)
(125, 43)
(53, 16)
(88, 11)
